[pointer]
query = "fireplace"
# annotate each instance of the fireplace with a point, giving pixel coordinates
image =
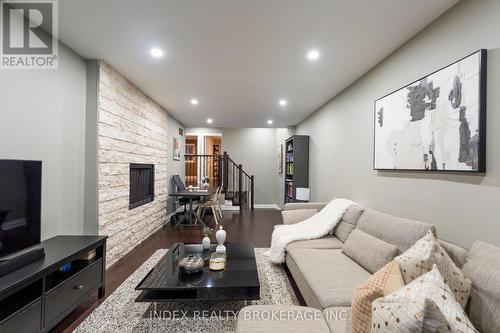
(142, 184)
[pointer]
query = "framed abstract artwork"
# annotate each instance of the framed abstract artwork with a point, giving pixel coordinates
(177, 149)
(437, 123)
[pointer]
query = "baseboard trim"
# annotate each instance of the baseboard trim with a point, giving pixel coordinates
(267, 206)
(231, 208)
(256, 206)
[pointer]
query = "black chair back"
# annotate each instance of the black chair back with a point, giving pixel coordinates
(179, 183)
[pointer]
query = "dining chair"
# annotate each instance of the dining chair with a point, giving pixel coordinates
(213, 204)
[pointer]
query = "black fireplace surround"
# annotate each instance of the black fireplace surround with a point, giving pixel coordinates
(142, 184)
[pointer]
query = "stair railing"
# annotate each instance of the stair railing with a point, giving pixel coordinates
(235, 182)
(221, 170)
(196, 167)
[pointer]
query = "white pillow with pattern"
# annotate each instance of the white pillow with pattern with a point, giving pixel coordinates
(425, 253)
(427, 305)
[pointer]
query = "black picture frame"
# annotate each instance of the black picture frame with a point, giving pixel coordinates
(482, 117)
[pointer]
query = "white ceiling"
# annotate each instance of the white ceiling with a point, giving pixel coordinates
(239, 57)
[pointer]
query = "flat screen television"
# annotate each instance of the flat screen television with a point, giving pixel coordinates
(20, 205)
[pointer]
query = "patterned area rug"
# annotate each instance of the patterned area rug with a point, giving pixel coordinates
(120, 313)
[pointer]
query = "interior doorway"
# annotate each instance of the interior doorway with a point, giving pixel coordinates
(191, 160)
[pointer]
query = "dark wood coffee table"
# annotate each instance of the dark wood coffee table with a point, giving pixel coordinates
(238, 281)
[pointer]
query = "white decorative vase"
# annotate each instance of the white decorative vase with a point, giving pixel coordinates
(220, 235)
(206, 243)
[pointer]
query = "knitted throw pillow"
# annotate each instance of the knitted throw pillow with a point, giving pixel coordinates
(385, 281)
(420, 258)
(425, 305)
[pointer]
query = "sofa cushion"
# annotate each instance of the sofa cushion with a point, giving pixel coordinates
(298, 215)
(280, 319)
(305, 291)
(394, 230)
(483, 268)
(328, 242)
(382, 283)
(425, 305)
(370, 252)
(339, 319)
(457, 254)
(330, 275)
(348, 223)
(421, 257)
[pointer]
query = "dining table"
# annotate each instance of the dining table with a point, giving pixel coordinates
(191, 219)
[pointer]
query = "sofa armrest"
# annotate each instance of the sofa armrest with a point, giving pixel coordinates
(304, 205)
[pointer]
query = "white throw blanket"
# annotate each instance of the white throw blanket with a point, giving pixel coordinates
(317, 226)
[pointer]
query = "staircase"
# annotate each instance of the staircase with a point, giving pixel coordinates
(237, 185)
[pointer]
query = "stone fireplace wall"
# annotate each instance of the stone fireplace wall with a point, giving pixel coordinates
(132, 129)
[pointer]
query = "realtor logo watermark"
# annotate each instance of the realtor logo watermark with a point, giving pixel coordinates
(29, 31)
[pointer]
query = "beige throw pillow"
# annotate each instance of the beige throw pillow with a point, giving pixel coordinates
(425, 305)
(384, 282)
(420, 258)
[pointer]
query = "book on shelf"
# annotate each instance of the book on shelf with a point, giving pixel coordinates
(296, 168)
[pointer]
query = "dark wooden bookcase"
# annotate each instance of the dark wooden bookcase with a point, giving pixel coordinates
(296, 166)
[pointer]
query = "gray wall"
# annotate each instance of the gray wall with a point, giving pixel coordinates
(256, 150)
(463, 206)
(43, 118)
(91, 214)
(174, 167)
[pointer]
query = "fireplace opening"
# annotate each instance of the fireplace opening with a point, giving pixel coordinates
(142, 184)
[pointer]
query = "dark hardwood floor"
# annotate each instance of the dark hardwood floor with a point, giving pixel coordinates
(253, 226)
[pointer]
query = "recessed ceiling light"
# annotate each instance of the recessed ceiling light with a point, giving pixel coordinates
(283, 102)
(194, 101)
(156, 52)
(269, 122)
(313, 55)
(210, 120)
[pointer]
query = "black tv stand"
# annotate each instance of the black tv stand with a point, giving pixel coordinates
(21, 258)
(37, 296)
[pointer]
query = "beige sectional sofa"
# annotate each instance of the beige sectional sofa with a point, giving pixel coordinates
(326, 276)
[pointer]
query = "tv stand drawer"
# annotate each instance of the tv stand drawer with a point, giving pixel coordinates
(27, 320)
(62, 297)
(38, 296)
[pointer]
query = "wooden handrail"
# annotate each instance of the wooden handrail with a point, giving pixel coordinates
(252, 190)
(198, 155)
(225, 169)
